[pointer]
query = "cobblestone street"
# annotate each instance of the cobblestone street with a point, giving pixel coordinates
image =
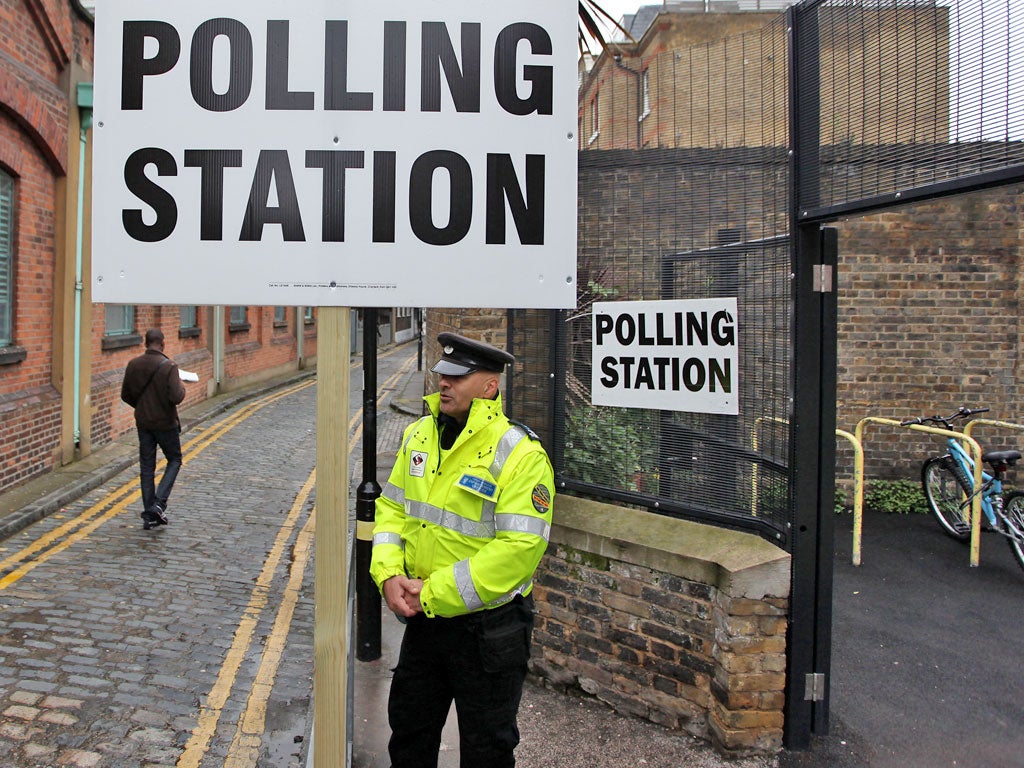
(187, 643)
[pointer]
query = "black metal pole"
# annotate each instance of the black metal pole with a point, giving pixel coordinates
(367, 596)
(419, 342)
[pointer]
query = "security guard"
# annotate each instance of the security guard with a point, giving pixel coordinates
(460, 529)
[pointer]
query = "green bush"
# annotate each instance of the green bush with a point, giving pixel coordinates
(840, 501)
(604, 446)
(901, 497)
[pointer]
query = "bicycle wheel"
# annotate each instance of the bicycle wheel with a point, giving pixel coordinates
(1013, 508)
(946, 497)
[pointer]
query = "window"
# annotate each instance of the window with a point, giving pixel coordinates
(188, 327)
(595, 118)
(280, 316)
(645, 84)
(6, 259)
(237, 319)
(120, 320)
(119, 327)
(309, 315)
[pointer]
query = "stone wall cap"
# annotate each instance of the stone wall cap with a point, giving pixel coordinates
(737, 563)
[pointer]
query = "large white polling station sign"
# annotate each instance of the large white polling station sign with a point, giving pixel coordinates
(667, 355)
(386, 153)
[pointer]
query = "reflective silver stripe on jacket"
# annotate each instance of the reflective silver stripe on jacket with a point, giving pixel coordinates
(393, 493)
(523, 524)
(388, 538)
(506, 598)
(464, 583)
(487, 513)
(478, 529)
(470, 597)
(508, 442)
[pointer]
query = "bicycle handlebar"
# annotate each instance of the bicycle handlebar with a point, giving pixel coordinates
(962, 412)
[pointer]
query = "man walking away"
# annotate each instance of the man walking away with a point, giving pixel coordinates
(153, 388)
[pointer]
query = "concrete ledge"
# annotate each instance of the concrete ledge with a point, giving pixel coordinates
(736, 563)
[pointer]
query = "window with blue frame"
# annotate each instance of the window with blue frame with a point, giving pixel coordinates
(119, 320)
(238, 318)
(188, 324)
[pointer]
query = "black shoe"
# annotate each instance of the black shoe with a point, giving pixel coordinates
(157, 513)
(149, 521)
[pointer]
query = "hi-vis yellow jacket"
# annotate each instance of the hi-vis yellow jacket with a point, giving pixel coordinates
(472, 524)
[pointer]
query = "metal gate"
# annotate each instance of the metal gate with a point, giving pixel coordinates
(709, 170)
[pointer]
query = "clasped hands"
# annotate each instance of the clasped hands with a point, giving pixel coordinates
(402, 595)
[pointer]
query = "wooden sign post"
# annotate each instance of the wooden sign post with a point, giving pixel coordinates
(330, 633)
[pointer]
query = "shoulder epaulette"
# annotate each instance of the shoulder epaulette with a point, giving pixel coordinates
(529, 432)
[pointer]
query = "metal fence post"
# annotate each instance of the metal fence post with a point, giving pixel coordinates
(367, 597)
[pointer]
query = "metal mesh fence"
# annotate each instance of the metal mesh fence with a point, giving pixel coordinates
(916, 98)
(700, 211)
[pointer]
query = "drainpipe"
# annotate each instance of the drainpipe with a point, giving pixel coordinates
(639, 96)
(85, 123)
(218, 347)
(300, 336)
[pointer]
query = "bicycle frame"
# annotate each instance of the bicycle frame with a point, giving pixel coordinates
(990, 485)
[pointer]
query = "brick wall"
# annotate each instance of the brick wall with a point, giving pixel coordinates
(719, 80)
(633, 610)
(929, 319)
(33, 151)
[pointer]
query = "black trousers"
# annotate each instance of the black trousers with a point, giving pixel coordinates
(169, 441)
(479, 662)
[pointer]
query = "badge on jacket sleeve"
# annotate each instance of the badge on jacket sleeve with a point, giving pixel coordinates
(541, 499)
(417, 463)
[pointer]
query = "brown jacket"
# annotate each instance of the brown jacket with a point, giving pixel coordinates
(153, 388)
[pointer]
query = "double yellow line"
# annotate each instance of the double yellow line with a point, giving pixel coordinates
(60, 538)
(248, 738)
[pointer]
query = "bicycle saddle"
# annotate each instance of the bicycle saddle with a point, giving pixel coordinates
(1006, 458)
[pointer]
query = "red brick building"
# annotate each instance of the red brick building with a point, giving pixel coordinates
(61, 356)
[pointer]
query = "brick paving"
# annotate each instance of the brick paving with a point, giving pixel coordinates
(110, 649)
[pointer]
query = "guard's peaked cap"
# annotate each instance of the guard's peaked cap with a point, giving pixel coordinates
(460, 356)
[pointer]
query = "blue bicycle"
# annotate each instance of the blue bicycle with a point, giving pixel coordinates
(948, 483)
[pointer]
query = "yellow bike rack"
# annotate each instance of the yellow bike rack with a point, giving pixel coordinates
(1007, 424)
(858, 481)
(858, 491)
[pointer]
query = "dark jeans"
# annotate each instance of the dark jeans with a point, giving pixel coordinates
(170, 443)
(479, 661)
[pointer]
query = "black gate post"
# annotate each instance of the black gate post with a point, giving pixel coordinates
(367, 596)
(814, 410)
